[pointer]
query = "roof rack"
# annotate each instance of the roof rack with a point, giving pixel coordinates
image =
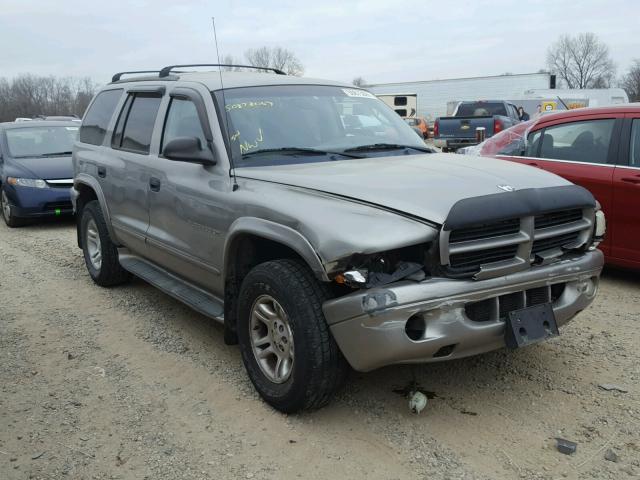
(166, 70)
(118, 75)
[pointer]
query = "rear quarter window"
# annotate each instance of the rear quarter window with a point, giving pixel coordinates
(95, 123)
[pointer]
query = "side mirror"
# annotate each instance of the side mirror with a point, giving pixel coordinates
(188, 149)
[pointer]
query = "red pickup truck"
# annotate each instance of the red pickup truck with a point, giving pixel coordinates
(598, 148)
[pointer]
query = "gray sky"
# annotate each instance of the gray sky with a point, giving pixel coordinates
(382, 41)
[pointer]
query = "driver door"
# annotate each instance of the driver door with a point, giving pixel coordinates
(188, 212)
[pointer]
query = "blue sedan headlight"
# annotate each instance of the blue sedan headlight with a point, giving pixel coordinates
(27, 182)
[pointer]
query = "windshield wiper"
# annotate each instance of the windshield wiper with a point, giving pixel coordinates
(294, 150)
(387, 146)
(55, 154)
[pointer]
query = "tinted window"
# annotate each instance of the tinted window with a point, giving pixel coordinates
(139, 122)
(183, 121)
(481, 109)
(635, 144)
(95, 123)
(116, 141)
(400, 101)
(586, 141)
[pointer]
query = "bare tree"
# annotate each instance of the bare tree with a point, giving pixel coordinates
(29, 95)
(275, 57)
(359, 82)
(631, 81)
(582, 61)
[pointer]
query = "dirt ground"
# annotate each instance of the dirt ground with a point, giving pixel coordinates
(127, 383)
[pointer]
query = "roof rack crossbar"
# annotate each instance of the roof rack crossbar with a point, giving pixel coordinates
(118, 75)
(166, 70)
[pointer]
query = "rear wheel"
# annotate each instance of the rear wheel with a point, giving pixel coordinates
(7, 212)
(100, 253)
(287, 348)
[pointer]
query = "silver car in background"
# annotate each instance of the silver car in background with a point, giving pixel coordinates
(311, 220)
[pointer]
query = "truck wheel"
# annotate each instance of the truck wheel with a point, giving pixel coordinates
(287, 348)
(100, 254)
(7, 212)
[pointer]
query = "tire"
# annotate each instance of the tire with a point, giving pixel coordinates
(9, 218)
(104, 267)
(317, 368)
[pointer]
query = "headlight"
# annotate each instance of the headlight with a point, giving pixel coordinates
(27, 182)
(599, 230)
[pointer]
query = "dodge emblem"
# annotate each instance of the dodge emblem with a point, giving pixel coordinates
(507, 188)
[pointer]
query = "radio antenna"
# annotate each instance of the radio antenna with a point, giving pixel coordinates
(232, 171)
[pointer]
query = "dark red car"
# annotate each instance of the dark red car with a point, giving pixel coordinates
(598, 148)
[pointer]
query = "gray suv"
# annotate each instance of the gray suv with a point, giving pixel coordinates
(310, 220)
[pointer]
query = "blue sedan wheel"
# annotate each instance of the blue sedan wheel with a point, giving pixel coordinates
(7, 213)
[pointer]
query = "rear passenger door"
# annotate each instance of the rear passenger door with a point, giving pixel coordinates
(127, 176)
(625, 216)
(582, 151)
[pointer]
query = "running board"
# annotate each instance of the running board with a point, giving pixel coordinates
(192, 296)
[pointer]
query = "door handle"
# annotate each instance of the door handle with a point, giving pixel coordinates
(102, 172)
(154, 184)
(634, 180)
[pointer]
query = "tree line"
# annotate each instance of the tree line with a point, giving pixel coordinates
(583, 61)
(31, 95)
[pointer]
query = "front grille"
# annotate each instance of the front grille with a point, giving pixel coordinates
(62, 206)
(498, 308)
(475, 232)
(557, 218)
(554, 242)
(513, 243)
(470, 262)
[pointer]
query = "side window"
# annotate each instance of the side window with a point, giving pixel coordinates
(586, 141)
(135, 124)
(116, 140)
(533, 142)
(95, 123)
(634, 158)
(182, 121)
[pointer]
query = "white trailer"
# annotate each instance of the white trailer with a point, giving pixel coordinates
(404, 104)
(432, 96)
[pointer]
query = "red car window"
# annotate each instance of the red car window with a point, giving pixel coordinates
(583, 141)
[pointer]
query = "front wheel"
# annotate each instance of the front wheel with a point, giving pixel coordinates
(287, 348)
(7, 212)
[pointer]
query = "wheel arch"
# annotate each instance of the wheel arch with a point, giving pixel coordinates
(252, 241)
(85, 189)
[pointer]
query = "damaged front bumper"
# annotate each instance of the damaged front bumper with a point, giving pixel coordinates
(441, 319)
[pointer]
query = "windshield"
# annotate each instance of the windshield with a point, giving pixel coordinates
(275, 125)
(481, 109)
(42, 141)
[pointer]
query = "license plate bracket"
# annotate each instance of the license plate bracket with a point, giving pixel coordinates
(530, 325)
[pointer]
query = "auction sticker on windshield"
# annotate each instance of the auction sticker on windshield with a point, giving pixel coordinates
(353, 92)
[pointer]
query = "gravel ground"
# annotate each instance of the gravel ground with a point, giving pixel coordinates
(128, 383)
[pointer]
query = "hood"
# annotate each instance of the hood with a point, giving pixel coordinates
(424, 186)
(49, 168)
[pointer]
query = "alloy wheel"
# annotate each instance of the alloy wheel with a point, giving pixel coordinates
(272, 339)
(94, 247)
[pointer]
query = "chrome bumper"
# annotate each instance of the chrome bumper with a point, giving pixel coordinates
(369, 325)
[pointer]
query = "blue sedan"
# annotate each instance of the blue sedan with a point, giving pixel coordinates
(36, 173)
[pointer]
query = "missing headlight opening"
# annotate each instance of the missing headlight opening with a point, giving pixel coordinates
(407, 263)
